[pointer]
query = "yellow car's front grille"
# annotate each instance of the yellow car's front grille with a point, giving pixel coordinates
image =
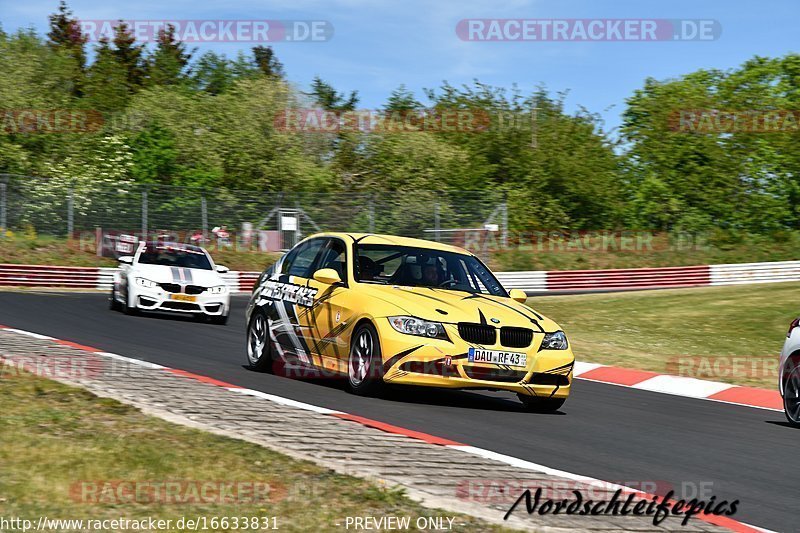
(512, 337)
(486, 335)
(477, 333)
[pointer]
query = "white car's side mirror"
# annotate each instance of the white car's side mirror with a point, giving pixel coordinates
(126, 259)
(222, 269)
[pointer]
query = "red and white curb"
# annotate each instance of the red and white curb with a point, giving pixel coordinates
(680, 386)
(581, 368)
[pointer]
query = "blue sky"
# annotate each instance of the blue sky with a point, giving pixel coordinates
(380, 44)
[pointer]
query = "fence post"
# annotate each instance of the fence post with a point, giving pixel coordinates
(436, 225)
(3, 226)
(144, 213)
(70, 211)
(204, 216)
(504, 234)
(371, 214)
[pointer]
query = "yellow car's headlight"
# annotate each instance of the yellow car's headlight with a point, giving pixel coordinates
(554, 341)
(416, 326)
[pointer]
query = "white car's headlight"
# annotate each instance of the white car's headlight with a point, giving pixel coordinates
(220, 289)
(554, 341)
(144, 282)
(416, 326)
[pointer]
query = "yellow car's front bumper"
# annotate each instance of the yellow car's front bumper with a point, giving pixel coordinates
(411, 360)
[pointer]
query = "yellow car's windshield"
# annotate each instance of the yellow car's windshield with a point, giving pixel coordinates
(423, 267)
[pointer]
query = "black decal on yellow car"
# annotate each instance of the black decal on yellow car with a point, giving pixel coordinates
(395, 358)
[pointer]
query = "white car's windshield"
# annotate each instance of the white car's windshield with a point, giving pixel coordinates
(174, 255)
(423, 267)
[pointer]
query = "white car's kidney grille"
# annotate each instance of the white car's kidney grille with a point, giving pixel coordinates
(194, 289)
(170, 287)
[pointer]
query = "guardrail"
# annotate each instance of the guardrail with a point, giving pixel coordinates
(101, 278)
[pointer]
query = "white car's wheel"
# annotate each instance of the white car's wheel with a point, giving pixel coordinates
(129, 309)
(113, 303)
(791, 391)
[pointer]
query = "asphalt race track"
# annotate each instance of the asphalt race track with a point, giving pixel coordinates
(607, 432)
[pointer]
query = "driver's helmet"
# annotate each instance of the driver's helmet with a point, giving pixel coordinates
(367, 268)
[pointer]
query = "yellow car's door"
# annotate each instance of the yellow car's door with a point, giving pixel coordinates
(292, 324)
(330, 316)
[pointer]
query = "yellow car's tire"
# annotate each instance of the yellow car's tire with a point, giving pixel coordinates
(536, 404)
(365, 364)
(259, 350)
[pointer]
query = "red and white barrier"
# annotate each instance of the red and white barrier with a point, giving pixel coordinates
(50, 276)
(531, 281)
(629, 278)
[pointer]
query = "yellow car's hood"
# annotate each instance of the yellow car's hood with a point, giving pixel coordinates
(442, 305)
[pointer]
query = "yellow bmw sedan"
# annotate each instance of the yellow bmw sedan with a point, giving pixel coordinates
(379, 309)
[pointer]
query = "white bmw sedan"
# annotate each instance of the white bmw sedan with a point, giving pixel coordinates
(174, 278)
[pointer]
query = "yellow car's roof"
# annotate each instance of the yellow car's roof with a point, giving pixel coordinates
(372, 238)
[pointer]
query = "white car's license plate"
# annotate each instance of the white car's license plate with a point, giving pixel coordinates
(183, 297)
(497, 357)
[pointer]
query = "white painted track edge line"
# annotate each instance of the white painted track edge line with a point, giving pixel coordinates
(140, 362)
(31, 334)
(285, 401)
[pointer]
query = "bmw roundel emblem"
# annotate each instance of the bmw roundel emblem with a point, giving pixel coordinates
(495, 321)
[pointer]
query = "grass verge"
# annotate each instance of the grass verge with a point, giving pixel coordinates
(44, 250)
(732, 334)
(53, 437)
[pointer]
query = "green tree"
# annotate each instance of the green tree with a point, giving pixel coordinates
(213, 73)
(739, 180)
(326, 96)
(65, 38)
(558, 170)
(267, 62)
(402, 100)
(169, 63)
(130, 56)
(106, 87)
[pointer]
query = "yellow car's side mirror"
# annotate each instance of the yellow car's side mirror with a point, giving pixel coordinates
(328, 276)
(518, 295)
